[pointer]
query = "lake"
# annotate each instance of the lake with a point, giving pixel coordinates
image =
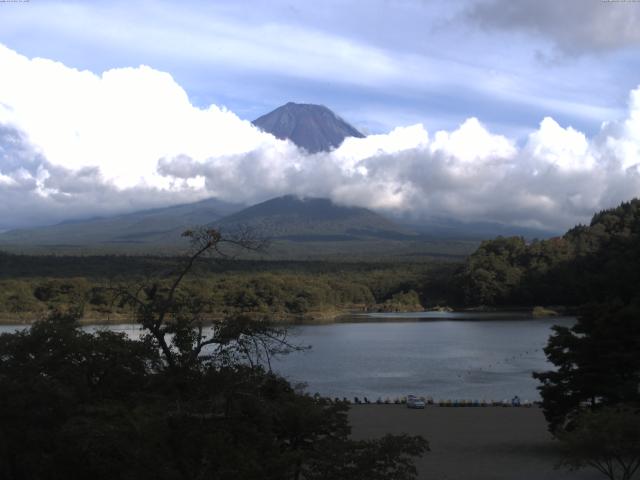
(446, 356)
(443, 355)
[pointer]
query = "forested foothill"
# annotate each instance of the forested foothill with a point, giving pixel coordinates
(595, 263)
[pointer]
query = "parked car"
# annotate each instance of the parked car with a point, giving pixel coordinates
(415, 402)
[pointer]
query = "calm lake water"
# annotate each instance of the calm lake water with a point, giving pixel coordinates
(444, 355)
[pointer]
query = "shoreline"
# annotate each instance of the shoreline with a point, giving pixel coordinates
(346, 315)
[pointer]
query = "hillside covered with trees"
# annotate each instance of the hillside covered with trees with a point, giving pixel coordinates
(595, 263)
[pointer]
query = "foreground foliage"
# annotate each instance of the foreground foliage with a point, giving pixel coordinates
(592, 399)
(183, 401)
(598, 364)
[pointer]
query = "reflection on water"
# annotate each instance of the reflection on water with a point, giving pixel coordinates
(444, 355)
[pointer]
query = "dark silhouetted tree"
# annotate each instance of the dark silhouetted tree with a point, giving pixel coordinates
(607, 439)
(598, 364)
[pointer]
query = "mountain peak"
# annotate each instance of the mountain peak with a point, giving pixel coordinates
(312, 127)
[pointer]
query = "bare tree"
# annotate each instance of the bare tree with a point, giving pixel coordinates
(176, 321)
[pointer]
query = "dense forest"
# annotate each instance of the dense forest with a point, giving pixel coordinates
(282, 291)
(595, 263)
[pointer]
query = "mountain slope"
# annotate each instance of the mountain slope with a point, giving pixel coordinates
(312, 127)
(293, 218)
(160, 225)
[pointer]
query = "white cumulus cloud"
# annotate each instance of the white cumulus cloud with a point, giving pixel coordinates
(75, 143)
(122, 121)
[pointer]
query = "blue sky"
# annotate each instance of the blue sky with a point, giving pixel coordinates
(379, 63)
(521, 112)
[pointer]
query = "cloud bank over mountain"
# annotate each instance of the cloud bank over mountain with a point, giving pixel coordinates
(77, 144)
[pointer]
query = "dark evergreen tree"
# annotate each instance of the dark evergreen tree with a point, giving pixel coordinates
(597, 364)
